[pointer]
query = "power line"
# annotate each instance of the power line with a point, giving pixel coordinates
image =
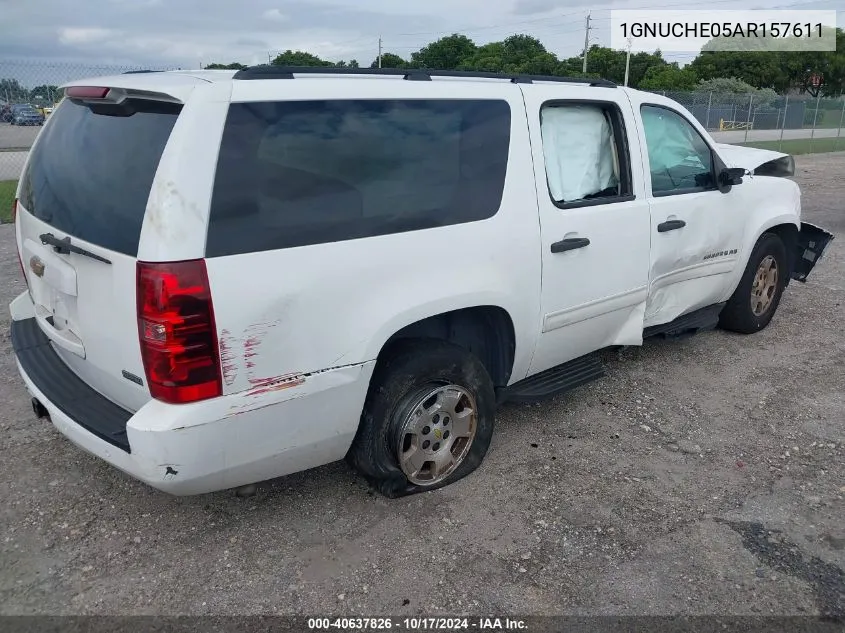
(485, 28)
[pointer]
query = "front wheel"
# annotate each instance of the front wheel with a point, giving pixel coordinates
(756, 298)
(428, 418)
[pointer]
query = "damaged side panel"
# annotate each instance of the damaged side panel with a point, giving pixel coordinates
(811, 245)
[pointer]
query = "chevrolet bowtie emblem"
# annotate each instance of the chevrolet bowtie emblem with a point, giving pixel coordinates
(438, 434)
(36, 266)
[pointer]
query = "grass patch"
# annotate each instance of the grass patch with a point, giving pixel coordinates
(7, 196)
(801, 145)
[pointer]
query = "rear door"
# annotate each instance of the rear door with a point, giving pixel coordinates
(594, 220)
(82, 200)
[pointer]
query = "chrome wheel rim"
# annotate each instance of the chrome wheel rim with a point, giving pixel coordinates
(436, 434)
(765, 285)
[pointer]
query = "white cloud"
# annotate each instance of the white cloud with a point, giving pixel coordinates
(73, 35)
(274, 15)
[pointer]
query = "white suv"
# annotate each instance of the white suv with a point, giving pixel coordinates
(235, 276)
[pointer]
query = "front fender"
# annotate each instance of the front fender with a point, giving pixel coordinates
(781, 206)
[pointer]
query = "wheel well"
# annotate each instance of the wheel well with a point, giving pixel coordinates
(789, 236)
(485, 331)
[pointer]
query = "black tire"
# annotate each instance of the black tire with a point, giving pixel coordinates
(403, 372)
(737, 315)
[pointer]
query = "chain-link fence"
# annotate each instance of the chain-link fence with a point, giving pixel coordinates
(794, 124)
(790, 123)
(29, 90)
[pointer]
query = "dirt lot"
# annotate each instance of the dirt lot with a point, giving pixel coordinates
(700, 477)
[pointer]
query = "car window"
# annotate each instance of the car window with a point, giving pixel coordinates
(581, 152)
(680, 161)
(295, 173)
(90, 174)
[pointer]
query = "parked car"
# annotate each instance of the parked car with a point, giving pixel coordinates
(25, 114)
(254, 273)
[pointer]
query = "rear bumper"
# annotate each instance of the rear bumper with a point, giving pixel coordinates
(61, 387)
(196, 448)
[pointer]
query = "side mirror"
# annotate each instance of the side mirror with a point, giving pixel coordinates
(730, 176)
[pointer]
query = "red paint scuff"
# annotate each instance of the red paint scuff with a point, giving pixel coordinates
(228, 363)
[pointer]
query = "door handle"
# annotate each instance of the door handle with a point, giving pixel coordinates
(670, 225)
(570, 244)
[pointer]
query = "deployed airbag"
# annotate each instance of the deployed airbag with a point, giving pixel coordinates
(579, 151)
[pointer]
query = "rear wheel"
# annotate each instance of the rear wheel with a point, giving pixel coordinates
(756, 298)
(428, 418)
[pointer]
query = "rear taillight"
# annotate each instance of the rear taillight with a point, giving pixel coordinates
(177, 331)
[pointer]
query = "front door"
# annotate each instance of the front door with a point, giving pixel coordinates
(594, 221)
(696, 230)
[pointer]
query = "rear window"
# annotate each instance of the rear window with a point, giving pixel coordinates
(306, 172)
(90, 174)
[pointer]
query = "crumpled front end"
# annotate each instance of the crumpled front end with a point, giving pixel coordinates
(809, 249)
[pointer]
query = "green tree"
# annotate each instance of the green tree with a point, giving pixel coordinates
(299, 58)
(447, 53)
(45, 94)
(12, 91)
(232, 66)
(610, 64)
(518, 54)
(488, 58)
(779, 70)
(352, 63)
(519, 51)
(758, 68)
(669, 77)
(734, 85)
(390, 60)
(830, 65)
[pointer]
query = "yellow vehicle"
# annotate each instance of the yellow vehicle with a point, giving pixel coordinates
(48, 109)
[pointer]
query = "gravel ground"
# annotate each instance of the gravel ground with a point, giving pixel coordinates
(699, 477)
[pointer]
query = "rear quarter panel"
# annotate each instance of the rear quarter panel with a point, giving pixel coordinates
(300, 310)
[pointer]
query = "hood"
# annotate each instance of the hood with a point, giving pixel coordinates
(748, 157)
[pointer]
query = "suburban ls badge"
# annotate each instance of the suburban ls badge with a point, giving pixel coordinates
(36, 266)
(732, 251)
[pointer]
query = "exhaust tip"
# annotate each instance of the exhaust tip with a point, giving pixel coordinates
(39, 410)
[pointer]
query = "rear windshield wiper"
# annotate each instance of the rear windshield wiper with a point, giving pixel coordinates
(64, 247)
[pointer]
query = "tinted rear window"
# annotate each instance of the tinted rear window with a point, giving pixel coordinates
(306, 172)
(90, 174)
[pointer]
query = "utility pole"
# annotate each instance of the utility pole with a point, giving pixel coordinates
(269, 61)
(628, 61)
(586, 43)
(379, 51)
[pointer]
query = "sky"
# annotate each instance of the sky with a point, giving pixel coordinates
(91, 34)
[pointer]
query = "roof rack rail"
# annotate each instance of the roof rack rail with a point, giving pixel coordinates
(139, 72)
(266, 71)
